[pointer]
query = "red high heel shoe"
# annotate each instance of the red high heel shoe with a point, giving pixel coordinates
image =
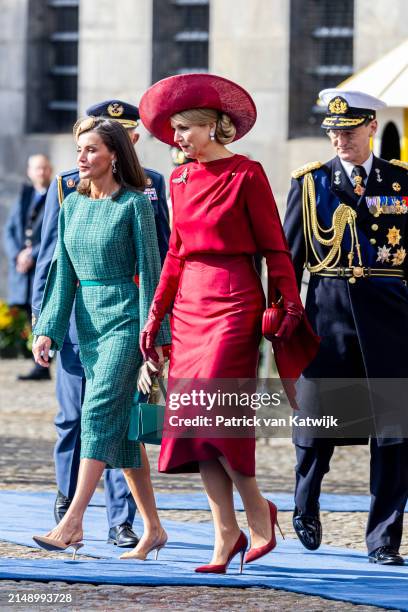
(240, 547)
(257, 553)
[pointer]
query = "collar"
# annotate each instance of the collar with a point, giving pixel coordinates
(348, 166)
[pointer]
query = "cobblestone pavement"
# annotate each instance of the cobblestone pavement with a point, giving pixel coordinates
(26, 442)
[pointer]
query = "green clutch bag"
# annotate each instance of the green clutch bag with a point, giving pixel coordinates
(146, 419)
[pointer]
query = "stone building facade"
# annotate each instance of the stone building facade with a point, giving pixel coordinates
(59, 56)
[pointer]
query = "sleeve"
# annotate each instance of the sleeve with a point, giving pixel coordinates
(49, 235)
(59, 292)
(269, 237)
(162, 220)
(293, 228)
(11, 243)
(148, 263)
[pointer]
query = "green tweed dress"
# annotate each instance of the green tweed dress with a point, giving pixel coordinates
(104, 242)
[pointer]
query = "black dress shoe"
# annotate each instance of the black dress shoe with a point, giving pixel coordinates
(36, 374)
(308, 529)
(386, 555)
(61, 506)
(123, 536)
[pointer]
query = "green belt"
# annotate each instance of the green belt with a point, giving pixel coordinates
(106, 281)
(360, 272)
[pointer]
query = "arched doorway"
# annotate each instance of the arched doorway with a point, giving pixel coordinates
(390, 142)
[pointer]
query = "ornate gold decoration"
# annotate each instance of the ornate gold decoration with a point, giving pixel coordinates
(70, 183)
(396, 187)
(393, 236)
(306, 168)
(338, 106)
(60, 190)
(115, 110)
(398, 162)
(343, 216)
(399, 256)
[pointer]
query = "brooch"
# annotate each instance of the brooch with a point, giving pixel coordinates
(182, 178)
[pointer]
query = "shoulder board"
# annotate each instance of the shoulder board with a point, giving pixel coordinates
(398, 162)
(305, 169)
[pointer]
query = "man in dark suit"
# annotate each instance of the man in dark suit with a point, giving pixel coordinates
(22, 241)
(347, 224)
(70, 375)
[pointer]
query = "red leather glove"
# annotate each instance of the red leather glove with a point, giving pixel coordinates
(282, 280)
(290, 321)
(161, 305)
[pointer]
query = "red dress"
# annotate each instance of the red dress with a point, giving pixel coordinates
(223, 213)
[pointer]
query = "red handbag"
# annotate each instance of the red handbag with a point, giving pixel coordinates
(272, 319)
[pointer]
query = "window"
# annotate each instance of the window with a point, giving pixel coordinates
(180, 37)
(321, 56)
(52, 65)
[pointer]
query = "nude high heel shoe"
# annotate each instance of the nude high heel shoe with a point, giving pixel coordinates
(142, 555)
(56, 545)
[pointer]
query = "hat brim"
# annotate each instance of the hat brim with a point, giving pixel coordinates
(187, 91)
(341, 122)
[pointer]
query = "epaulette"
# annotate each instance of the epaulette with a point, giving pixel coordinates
(398, 162)
(306, 168)
(66, 179)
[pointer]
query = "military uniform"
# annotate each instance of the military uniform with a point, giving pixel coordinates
(70, 375)
(353, 239)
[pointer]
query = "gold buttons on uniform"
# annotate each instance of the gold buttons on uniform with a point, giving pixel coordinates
(373, 241)
(374, 227)
(352, 280)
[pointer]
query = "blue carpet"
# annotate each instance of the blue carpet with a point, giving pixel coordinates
(331, 502)
(330, 572)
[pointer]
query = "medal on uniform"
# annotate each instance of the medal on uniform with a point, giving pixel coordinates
(399, 256)
(383, 254)
(378, 173)
(393, 236)
(396, 187)
(337, 177)
(358, 185)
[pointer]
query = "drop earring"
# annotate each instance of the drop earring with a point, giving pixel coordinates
(212, 135)
(114, 168)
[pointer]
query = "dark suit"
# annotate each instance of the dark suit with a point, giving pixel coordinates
(23, 228)
(70, 375)
(363, 327)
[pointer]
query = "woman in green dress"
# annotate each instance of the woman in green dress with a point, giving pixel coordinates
(106, 235)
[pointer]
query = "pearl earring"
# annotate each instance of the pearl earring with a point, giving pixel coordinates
(212, 135)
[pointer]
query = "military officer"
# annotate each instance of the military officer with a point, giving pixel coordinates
(22, 241)
(347, 224)
(70, 375)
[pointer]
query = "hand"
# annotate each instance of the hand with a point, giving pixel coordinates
(148, 337)
(148, 370)
(291, 320)
(24, 261)
(41, 350)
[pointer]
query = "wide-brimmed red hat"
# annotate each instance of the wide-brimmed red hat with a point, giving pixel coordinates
(186, 91)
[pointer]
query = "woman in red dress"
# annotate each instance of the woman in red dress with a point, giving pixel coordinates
(223, 213)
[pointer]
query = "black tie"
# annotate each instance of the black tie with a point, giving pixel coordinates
(358, 171)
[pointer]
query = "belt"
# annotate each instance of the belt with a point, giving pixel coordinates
(106, 281)
(360, 272)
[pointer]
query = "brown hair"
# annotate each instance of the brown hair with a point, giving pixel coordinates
(129, 172)
(225, 130)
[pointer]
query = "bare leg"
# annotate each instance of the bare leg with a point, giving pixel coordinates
(256, 506)
(218, 486)
(70, 528)
(140, 484)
